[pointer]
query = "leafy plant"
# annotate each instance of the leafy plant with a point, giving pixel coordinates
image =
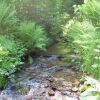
(89, 10)
(32, 36)
(8, 17)
(10, 56)
(84, 37)
(3, 81)
(86, 41)
(56, 18)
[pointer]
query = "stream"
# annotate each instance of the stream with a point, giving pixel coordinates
(50, 77)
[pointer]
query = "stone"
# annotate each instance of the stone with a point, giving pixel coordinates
(28, 97)
(51, 92)
(66, 93)
(76, 83)
(75, 89)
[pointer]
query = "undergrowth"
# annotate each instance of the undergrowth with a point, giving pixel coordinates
(83, 35)
(17, 38)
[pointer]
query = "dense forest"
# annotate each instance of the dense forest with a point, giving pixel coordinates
(31, 29)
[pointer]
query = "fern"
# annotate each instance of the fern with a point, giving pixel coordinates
(32, 36)
(8, 17)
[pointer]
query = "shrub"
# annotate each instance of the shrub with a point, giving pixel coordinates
(56, 18)
(32, 36)
(85, 39)
(89, 10)
(10, 56)
(8, 17)
(83, 32)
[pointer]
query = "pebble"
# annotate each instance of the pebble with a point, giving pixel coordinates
(51, 92)
(28, 97)
(74, 89)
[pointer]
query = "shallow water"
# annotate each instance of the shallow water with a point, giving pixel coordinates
(37, 80)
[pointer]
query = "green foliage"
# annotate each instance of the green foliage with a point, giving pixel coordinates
(51, 14)
(7, 17)
(89, 10)
(18, 37)
(56, 18)
(32, 36)
(3, 81)
(10, 56)
(84, 37)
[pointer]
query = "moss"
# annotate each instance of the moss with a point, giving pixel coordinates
(24, 90)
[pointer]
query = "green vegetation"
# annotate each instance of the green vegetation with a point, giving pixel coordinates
(3, 81)
(32, 36)
(50, 14)
(10, 57)
(8, 18)
(83, 33)
(30, 25)
(16, 39)
(90, 10)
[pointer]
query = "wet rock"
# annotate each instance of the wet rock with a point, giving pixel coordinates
(75, 68)
(53, 58)
(50, 80)
(54, 69)
(6, 92)
(56, 84)
(67, 84)
(46, 83)
(37, 92)
(27, 97)
(3, 97)
(75, 89)
(60, 89)
(76, 83)
(51, 92)
(45, 75)
(24, 90)
(69, 98)
(33, 82)
(57, 96)
(43, 65)
(31, 92)
(65, 93)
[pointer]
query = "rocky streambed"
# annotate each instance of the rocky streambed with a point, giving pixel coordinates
(48, 78)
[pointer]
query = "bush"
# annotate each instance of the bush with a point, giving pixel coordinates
(56, 18)
(8, 17)
(10, 56)
(32, 36)
(51, 14)
(84, 36)
(85, 39)
(89, 10)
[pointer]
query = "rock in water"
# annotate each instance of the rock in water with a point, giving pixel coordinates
(51, 92)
